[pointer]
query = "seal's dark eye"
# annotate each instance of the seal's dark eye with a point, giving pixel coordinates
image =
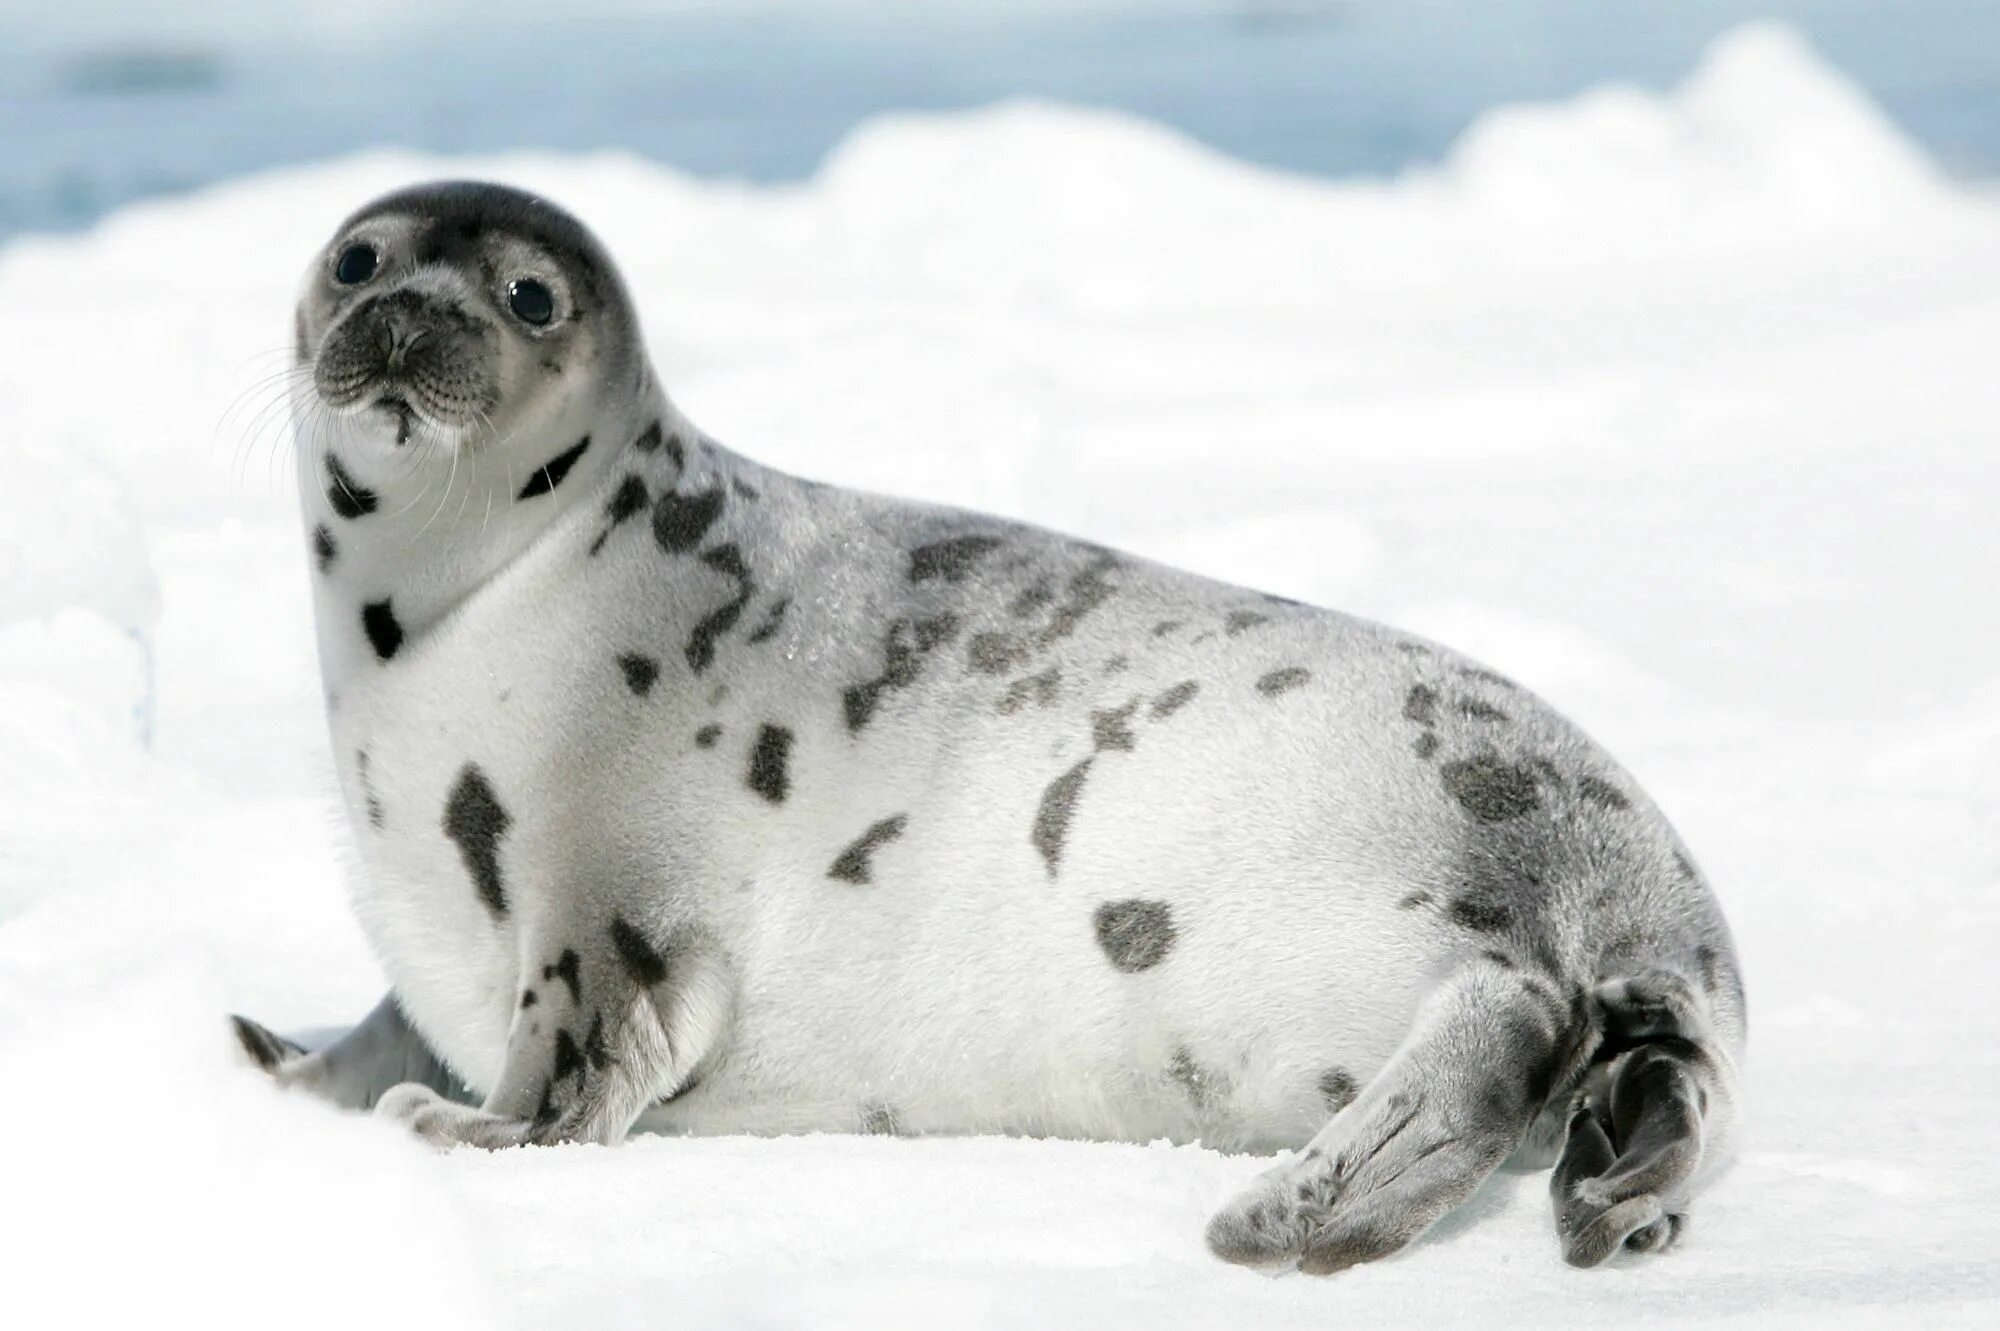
(357, 264)
(531, 301)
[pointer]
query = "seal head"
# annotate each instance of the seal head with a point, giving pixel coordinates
(470, 311)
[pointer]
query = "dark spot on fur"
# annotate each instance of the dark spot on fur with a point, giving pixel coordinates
(1420, 705)
(1136, 935)
(639, 672)
(700, 650)
(1175, 698)
(1032, 598)
(1041, 689)
(269, 1050)
(854, 864)
(346, 496)
(1427, 744)
(595, 1052)
(626, 502)
(1491, 790)
(994, 653)
(549, 475)
(1112, 729)
(1203, 1088)
(374, 806)
(1282, 681)
(1686, 866)
(1337, 1088)
(903, 650)
(769, 763)
(677, 454)
(649, 438)
(1602, 793)
(569, 1058)
(681, 521)
(1414, 648)
(385, 635)
(639, 958)
(1500, 959)
(569, 970)
(742, 489)
(1117, 665)
(1487, 677)
(1165, 626)
(1414, 900)
(1242, 620)
(1481, 913)
(705, 737)
(474, 819)
(880, 1120)
(324, 549)
(529, 998)
(1479, 710)
(950, 559)
(773, 617)
(1057, 809)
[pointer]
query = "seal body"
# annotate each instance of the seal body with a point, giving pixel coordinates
(696, 797)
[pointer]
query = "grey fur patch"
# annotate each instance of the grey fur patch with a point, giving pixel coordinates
(854, 865)
(474, 820)
(1282, 681)
(1414, 900)
(1481, 913)
(1112, 729)
(1030, 599)
(1203, 1087)
(1135, 934)
(951, 559)
(1240, 621)
(1166, 626)
(904, 649)
(770, 763)
(1602, 793)
(880, 1120)
(324, 550)
(1426, 745)
(1480, 710)
(994, 653)
(1337, 1088)
(1420, 705)
(1173, 699)
(1057, 810)
(705, 737)
(1117, 665)
(1491, 790)
(1041, 689)
(1488, 677)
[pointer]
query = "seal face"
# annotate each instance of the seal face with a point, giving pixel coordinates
(697, 797)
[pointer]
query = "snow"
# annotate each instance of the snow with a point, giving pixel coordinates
(1681, 409)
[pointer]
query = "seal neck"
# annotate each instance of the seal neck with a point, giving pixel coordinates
(401, 536)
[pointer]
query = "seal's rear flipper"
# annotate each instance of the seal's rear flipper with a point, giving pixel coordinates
(1455, 1100)
(267, 1049)
(1646, 1119)
(354, 1070)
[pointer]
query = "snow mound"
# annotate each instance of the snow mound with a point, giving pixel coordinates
(1677, 408)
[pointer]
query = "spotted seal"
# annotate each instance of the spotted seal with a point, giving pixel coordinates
(694, 797)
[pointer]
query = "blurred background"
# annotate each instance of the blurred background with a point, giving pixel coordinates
(1642, 348)
(106, 101)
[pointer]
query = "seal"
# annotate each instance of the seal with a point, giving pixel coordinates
(693, 797)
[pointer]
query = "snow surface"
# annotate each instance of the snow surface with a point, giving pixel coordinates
(1681, 409)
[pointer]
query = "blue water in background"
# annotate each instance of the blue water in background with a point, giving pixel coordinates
(1362, 87)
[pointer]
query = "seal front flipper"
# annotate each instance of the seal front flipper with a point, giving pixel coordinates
(353, 1072)
(610, 1019)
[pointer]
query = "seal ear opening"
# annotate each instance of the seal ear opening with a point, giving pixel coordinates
(1640, 1126)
